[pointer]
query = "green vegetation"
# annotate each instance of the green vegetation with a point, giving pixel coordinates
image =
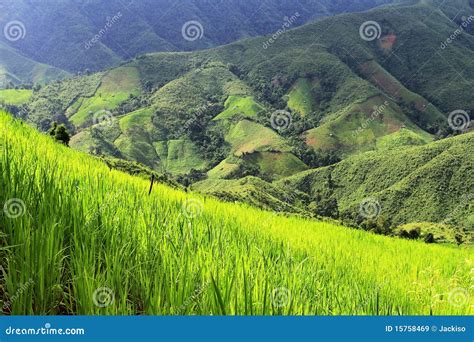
(99, 228)
(430, 233)
(353, 108)
(341, 104)
(182, 156)
(300, 97)
(15, 97)
(129, 31)
(236, 105)
(276, 165)
(248, 137)
(412, 184)
(115, 87)
(60, 134)
(366, 126)
(16, 69)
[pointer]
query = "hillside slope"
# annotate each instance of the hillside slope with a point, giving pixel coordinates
(321, 83)
(429, 183)
(75, 35)
(89, 240)
(16, 69)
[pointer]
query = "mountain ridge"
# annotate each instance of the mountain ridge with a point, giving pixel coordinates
(113, 32)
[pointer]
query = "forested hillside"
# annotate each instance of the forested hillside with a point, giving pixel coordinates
(310, 101)
(75, 35)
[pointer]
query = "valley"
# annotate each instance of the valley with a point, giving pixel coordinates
(304, 158)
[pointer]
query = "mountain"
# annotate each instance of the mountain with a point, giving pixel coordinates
(15, 69)
(101, 244)
(343, 95)
(325, 96)
(427, 183)
(77, 35)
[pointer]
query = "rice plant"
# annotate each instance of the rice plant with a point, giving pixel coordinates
(79, 238)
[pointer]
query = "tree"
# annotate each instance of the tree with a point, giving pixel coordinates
(325, 207)
(60, 133)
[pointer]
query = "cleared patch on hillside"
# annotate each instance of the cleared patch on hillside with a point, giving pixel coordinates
(358, 127)
(115, 87)
(238, 105)
(213, 83)
(276, 165)
(179, 156)
(224, 168)
(15, 96)
(390, 85)
(300, 97)
(248, 137)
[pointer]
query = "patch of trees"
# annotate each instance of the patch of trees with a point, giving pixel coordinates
(211, 144)
(59, 133)
(313, 158)
(326, 207)
(272, 91)
(245, 169)
(133, 103)
(208, 136)
(20, 111)
(193, 176)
